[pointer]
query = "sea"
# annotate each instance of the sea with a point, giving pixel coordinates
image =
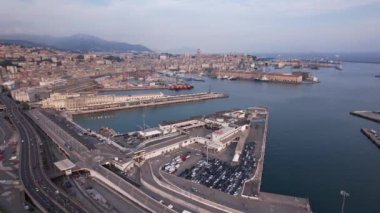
(315, 148)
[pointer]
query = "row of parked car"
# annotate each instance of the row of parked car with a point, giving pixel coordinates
(175, 163)
(220, 175)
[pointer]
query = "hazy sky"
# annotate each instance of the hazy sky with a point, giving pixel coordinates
(212, 25)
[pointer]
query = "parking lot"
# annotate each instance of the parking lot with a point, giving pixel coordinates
(223, 176)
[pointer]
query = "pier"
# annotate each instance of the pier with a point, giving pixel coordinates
(371, 134)
(129, 88)
(370, 115)
(152, 102)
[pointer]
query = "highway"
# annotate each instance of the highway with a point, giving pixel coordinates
(37, 185)
(85, 160)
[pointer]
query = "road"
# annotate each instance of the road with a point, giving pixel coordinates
(84, 159)
(37, 185)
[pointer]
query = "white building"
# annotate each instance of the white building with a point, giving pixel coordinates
(9, 85)
(76, 101)
(149, 133)
(32, 94)
(186, 125)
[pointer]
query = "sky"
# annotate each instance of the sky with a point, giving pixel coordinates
(214, 26)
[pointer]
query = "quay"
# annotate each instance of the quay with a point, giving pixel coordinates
(289, 78)
(151, 102)
(371, 134)
(131, 88)
(370, 115)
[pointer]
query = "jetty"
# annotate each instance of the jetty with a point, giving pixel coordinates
(165, 100)
(372, 135)
(370, 115)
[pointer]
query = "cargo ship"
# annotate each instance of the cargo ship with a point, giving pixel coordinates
(182, 86)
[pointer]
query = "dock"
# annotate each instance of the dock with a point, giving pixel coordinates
(370, 115)
(371, 134)
(153, 102)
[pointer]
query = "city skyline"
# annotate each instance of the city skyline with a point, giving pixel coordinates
(214, 27)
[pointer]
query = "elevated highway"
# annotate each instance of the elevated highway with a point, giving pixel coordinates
(38, 186)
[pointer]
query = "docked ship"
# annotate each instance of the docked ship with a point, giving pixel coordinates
(262, 78)
(232, 78)
(339, 67)
(311, 79)
(181, 86)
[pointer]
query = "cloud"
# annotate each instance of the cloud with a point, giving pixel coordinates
(213, 25)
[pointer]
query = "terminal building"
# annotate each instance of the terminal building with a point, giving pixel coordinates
(84, 101)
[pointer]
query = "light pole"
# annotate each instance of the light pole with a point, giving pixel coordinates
(207, 151)
(344, 195)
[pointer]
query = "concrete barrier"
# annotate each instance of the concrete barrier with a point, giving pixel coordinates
(185, 193)
(123, 192)
(172, 197)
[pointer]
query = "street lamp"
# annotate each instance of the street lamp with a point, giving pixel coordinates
(344, 195)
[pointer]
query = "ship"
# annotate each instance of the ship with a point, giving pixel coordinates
(181, 86)
(232, 78)
(339, 67)
(311, 79)
(262, 78)
(198, 79)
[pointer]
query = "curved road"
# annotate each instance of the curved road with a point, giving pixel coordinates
(40, 188)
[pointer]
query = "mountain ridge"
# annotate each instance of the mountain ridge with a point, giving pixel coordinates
(76, 42)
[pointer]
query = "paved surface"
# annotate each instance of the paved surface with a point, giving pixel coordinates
(6, 129)
(35, 181)
(84, 158)
(269, 203)
(120, 203)
(181, 205)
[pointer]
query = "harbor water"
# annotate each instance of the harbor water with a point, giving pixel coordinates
(315, 147)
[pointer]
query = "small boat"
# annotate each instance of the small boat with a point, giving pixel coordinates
(262, 78)
(232, 78)
(198, 79)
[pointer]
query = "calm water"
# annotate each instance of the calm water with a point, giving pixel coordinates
(314, 148)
